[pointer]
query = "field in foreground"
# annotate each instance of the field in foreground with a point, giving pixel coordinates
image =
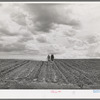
(59, 74)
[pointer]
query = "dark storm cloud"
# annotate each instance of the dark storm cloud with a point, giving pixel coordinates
(47, 14)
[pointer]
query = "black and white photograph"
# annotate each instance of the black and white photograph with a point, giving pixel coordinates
(50, 45)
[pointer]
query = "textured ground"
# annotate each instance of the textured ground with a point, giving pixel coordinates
(59, 74)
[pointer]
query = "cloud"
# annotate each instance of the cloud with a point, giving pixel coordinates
(19, 18)
(56, 49)
(93, 45)
(12, 47)
(52, 49)
(66, 30)
(4, 31)
(42, 39)
(41, 29)
(93, 38)
(47, 14)
(94, 50)
(14, 28)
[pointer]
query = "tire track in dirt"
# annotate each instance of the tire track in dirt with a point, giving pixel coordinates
(86, 66)
(49, 72)
(8, 70)
(7, 66)
(35, 72)
(31, 70)
(55, 76)
(72, 71)
(15, 73)
(42, 75)
(26, 71)
(74, 68)
(6, 62)
(67, 73)
(61, 73)
(82, 75)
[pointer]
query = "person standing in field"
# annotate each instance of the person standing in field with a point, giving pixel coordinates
(48, 57)
(52, 57)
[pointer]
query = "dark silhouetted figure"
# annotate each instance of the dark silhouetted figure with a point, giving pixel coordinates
(52, 57)
(48, 57)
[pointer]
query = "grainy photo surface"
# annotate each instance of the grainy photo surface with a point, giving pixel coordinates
(50, 45)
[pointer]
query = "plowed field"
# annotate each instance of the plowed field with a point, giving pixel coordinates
(57, 74)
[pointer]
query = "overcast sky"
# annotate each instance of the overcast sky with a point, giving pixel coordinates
(70, 30)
